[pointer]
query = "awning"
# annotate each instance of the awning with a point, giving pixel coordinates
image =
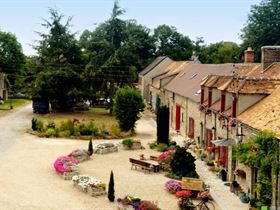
(224, 142)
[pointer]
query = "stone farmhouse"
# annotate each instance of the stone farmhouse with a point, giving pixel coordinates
(220, 106)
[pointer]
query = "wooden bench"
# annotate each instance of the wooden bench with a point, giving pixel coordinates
(140, 164)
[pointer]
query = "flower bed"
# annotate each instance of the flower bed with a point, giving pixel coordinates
(173, 186)
(80, 155)
(105, 148)
(134, 203)
(66, 167)
(131, 144)
(89, 184)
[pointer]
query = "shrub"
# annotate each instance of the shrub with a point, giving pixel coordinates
(37, 125)
(172, 143)
(111, 190)
(64, 134)
(128, 103)
(162, 147)
(50, 132)
(67, 126)
(210, 163)
(163, 125)
(51, 124)
(153, 145)
(182, 164)
(88, 129)
(128, 142)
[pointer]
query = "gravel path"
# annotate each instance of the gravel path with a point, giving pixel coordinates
(13, 125)
(28, 180)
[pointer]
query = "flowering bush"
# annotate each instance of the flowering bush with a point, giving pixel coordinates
(173, 186)
(137, 203)
(65, 164)
(166, 157)
(183, 193)
(85, 181)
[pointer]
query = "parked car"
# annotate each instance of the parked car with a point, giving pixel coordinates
(40, 106)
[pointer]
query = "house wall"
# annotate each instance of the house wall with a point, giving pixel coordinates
(166, 80)
(216, 95)
(228, 100)
(245, 101)
(3, 92)
(146, 80)
(193, 112)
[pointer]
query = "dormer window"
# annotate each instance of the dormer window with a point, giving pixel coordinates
(234, 103)
(209, 97)
(223, 101)
(202, 95)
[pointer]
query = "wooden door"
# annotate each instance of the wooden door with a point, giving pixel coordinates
(178, 118)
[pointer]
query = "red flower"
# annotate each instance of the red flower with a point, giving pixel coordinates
(183, 193)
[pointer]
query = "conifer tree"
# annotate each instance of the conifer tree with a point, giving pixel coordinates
(111, 190)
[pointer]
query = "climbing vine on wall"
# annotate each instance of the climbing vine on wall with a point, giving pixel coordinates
(261, 152)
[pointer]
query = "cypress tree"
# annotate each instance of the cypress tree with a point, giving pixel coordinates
(90, 149)
(111, 190)
(163, 125)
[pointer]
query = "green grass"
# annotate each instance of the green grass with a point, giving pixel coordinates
(6, 107)
(99, 116)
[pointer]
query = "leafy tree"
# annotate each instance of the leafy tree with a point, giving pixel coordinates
(11, 58)
(115, 52)
(221, 52)
(262, 27)
(111, 190)
(182, 164)
(11, 55)
(163, 125)
(59, 44)
(60, 86)
(128, 103)
(59, 81)
(261, 152)
(171, 43)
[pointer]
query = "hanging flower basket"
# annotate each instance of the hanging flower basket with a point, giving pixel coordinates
(232, 122)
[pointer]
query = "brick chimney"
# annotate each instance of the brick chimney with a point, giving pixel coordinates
(270, 55)
(249, 55)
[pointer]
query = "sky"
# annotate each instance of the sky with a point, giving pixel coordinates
(214, 20)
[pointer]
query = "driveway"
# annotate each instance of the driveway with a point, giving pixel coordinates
(13, 125)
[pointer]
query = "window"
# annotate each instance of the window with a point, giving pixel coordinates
(191, 128)
(182, 120)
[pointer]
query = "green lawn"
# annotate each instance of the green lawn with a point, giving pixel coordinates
(6, 107)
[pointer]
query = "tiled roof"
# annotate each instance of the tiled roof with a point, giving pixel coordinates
(171, 70)
(216, 106)
(152, 65)
(187, 83)
(253, 85)
(265, 114)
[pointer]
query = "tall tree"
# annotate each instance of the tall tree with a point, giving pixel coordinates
(11, 55)
(60, 58)
(172, 44)
(12, 58)
(262, 27)
(220, 52)
(59, 44)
